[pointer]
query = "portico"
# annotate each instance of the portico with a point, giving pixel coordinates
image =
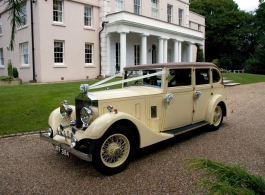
(145, 41)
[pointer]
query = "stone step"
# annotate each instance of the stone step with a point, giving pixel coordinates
(231, 84)
(228, 81)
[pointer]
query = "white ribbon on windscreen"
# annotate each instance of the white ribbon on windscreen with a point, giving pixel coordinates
(98, 84)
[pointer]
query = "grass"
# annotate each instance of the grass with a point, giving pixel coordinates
(26, 108)
(244, 78)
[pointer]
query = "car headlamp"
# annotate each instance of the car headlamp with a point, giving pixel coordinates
(85, 115)
(65, 110)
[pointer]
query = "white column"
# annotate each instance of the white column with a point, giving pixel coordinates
(160, 50)
(143, 49)
(165, 51)
(123, 50)
(176, 49)
(179, 50)
(108, 54)
(190, 52)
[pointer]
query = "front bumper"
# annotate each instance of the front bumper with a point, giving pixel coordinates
(84, 156)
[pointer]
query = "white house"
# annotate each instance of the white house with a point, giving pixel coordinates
(82, 39)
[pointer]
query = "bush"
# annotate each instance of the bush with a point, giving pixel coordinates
(199, 57)
(219, 178)
(15, 72)
(252, 65)
(10, 69)
(216, 62)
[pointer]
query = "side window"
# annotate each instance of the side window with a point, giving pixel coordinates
(202, 76)
(179, 77)
(216, 76)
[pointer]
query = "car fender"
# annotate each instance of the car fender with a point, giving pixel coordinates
(55, 119)
(103, 123)
(216, 99)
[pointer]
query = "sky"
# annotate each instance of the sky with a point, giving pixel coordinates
(247, 5)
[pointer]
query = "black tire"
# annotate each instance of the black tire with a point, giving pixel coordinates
(217, 118)
(113, 152)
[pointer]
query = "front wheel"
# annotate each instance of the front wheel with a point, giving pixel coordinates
(113, 152)
(217, 118)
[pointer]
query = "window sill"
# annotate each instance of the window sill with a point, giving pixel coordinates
(1, 35)
(22, 27)
(24, 67)
(90, 66)
(2, 67)
(59, 66)
(88, 28)
(58, 24)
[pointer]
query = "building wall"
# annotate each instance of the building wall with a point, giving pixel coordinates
(72, 32)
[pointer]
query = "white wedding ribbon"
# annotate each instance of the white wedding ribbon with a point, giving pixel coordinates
(98, 85)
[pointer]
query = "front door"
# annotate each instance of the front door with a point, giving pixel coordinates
(179, 111)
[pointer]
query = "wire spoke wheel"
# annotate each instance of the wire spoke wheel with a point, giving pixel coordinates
(115, 150)
(217, 118)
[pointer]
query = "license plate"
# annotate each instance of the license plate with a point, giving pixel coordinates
(62, 151)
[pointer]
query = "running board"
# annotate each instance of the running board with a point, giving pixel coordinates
(185, 128)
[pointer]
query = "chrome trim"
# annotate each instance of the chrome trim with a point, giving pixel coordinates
(83, 156)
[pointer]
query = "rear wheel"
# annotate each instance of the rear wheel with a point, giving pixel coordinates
(217, 118)
(113, 152)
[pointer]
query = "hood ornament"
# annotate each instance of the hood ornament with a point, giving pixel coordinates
(84, 88)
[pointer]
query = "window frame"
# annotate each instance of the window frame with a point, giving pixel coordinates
(87, 53)
(181, 11)
(2, 61)
(137, 54)
(23, 55)
(169, 15)
(119, 5)
(1, 27)
(118, 56)
(88, 18)
(154, 9)
(137, 7)
(59, 12)
(23, 15)
(63, 52)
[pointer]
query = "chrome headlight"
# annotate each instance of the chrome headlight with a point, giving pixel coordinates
(50, 132)
(86, 115)
(65, 110)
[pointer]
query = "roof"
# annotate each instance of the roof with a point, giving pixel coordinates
(171, 65)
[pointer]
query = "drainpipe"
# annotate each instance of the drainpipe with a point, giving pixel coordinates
(103, 24)
(32, 40)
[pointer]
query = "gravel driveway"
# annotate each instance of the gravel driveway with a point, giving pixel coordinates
(31, 166)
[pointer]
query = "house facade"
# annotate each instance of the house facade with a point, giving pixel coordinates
(84, 39)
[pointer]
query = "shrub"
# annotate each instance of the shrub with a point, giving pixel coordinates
(199, 57)
(15, 72)
(252, 65)
(216, 62)
(9, 68)
(218, 178)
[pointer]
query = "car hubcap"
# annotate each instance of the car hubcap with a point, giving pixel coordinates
(115, 150)
(217, 116)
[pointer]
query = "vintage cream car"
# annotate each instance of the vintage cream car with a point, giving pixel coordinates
(156, 102)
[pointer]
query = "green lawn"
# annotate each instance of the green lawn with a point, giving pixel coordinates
(244, 78)
(26, 108)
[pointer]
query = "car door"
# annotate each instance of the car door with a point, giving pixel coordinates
(202, 93)
(179, 111)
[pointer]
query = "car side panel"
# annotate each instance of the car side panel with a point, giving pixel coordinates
(102, 124)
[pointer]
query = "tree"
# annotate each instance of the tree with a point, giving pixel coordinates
(228, 32)
(14, 8)
(199, 56)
